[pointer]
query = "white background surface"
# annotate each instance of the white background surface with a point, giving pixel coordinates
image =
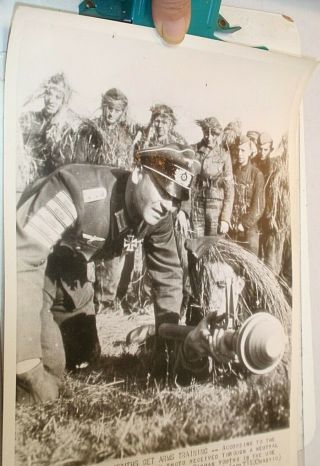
(306, 14)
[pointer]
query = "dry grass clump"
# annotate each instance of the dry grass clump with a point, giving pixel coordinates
(263, 290)
(115, 410)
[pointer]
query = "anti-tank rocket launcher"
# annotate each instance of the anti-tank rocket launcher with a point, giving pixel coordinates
(258, 344)
(258, 341)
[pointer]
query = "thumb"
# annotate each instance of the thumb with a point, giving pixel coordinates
(211, 319)
(171, 18)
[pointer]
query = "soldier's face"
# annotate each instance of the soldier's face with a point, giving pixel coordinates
(244, 153)
(53, 101)
(254, 146)
(209, 137)
(112, 111)
(162, 125)
(151, 202)
(220, 278)
(265, 150)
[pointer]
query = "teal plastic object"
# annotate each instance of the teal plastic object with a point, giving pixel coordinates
(205, 18)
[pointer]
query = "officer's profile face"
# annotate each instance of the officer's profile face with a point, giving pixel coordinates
(163, 125)
(221, 276)
(112, 111)
(265, 150)
(244, 153)
(150, 200)
(53, 101)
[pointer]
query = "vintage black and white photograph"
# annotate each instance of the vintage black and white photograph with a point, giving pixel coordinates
(156, 243)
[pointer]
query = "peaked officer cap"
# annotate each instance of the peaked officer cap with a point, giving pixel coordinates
(173, 166)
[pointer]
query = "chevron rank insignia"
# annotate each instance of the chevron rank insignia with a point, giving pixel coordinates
(48, 224)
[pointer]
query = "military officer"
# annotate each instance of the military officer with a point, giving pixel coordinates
(160, 131)
(64, 222)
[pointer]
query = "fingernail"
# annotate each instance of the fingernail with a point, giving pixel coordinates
(172, 32)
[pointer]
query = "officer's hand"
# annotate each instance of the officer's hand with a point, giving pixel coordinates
(182, 224)
(224, 227)
(41, 385)
(241, 227)
(172, 19)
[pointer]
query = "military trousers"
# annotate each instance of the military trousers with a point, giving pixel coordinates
(108, 277)
(249, 238)
(205, 216)
(273, 249)
(56, 320)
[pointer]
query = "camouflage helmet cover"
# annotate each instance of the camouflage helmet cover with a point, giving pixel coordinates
(114, 95)
(59, 82)
(162, 109)
(211, 123)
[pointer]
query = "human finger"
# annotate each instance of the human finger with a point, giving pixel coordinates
(172, 19)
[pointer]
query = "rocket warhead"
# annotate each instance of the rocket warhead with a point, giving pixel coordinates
(261, 343)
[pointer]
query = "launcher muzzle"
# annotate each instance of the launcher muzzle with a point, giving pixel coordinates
(258, 345)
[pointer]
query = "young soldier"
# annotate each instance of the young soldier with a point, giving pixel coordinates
(213, 190)
(161, 128)
(275, 245)
(82, 212)
(116, 131)
(254, 137)
(262, 160)
(45, 132)
(249, 198)
(115, 142)
(230, 136)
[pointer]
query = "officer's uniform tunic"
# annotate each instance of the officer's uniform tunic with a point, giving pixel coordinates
(81, 209)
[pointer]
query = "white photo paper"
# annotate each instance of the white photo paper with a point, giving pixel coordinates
(93, 108)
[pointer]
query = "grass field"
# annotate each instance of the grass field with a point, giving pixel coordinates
(116, 411)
